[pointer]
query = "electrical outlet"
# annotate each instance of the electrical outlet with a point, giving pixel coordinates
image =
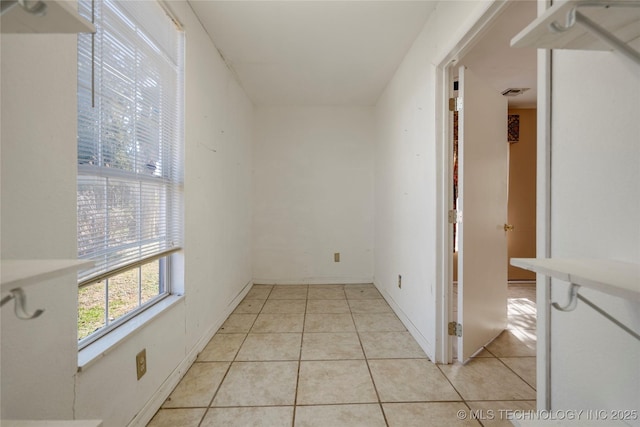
(141, 363)
(336, 257)
(400, 281)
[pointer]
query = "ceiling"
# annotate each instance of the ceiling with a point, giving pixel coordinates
(345, 52)
(502, 66)
(313, 52)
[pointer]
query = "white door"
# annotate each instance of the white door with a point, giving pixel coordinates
(482, 183)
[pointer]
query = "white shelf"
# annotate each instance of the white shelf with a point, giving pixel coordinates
(61, 16)
(19, 273)
(622, 21)
(617, 278)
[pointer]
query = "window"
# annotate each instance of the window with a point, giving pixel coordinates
(129, 160)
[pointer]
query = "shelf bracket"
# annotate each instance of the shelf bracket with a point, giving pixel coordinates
(610, 317)
(20, 298)
(574, 17)
(574, 296)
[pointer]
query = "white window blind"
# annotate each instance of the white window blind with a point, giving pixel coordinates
(129, 135)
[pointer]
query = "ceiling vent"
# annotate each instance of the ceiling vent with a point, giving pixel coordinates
(514, 91)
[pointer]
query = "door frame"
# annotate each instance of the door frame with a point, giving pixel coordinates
(444, 174)
(444, 123)
(543, 221)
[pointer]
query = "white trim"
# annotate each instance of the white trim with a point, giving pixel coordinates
(107, 343)
(543, 224)
(150, 408)
(422, 341)
(444, 177)
(444, 255)
(316, 281)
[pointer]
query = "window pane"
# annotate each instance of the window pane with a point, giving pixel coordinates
(123, 293)
(91, 309)
(150, 281)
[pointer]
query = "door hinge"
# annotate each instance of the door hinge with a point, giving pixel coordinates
(455, 329)
(455, 104)
(453, 216)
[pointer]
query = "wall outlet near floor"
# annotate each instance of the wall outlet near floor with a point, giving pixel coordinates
(336, 257)
(141, 363)
(400, 281)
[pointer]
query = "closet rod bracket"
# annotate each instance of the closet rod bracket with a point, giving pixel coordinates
(20, 299)
(573, 299)
(574, 296)
(575, 17)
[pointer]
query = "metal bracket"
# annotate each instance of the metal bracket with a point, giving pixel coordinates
(573, 299)
(573, 17)
(573, 303)
(569, 22)
(20, 298)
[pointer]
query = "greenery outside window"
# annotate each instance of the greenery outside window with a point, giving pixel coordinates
(130, 160)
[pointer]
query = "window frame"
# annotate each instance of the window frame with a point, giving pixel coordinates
(171, 204)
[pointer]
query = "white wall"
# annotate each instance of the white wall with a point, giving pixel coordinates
(38, 219)
(595, 209)
(39, 358)
(406, 167)
(218, 165)
(313, 194)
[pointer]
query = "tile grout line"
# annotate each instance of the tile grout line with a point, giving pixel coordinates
(494, 356)
(233, 359)
(295, 396)
(515, 373)
(366, 359)
(465, 402)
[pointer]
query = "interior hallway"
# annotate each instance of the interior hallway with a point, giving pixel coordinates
(337, 355)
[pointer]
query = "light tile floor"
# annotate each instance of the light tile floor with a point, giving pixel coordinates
(337, 355)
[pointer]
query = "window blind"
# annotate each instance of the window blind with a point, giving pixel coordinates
(129, 135)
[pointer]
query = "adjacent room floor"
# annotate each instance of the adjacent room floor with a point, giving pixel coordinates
(337, 355)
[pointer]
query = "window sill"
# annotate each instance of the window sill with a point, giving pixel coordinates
(103, 346)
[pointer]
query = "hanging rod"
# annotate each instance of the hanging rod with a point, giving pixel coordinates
(574, 296)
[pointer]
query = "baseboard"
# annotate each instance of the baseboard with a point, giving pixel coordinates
(315, 281)
(521, 283)
(422, 341)
(145, 415)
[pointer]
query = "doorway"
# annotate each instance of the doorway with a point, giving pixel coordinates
(485, 50)
(521, 206)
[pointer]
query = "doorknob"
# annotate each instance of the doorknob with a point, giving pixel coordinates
(508, 227)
